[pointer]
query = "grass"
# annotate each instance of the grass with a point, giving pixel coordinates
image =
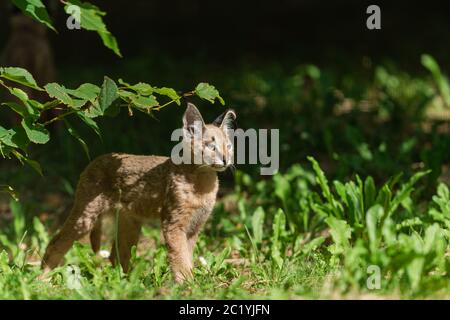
(298, 237)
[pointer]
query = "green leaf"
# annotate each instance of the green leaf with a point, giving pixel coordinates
(341, 233)
(388, 232)
(32, 163)
(93, 110)
(431, 235)
(208, 92)
(19, 75)
(370, 192)
(24, 110)
(257, 224)
(144, 102)
(168, 92)
(92, 20)
(90, 123)
(384, 197)
(282, 188)
(36, 10)
(110, 42)
(60, 93)
(77, 136)
(15, 138)
(442, 83)
(322, 180)
(442, 200)
(36, 132)
(312, 245)
(414, 271)
(141, 88)
(373, 216)
(108, 94)
(86, 91)
(219, 260)
(278, 231)
(406, 190)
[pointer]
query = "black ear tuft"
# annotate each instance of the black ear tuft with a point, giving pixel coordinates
(219, 120)
(227, 118)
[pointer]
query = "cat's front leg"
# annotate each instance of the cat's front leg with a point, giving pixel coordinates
(178, 250)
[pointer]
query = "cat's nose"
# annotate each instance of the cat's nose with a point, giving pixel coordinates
(220, 159)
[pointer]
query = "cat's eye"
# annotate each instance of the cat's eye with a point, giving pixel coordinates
(229, 146)
(211, 146)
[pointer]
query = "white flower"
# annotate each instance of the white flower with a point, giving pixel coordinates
(104, 254)
(203, 261)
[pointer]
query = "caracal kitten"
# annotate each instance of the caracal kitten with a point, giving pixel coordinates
(146, 187)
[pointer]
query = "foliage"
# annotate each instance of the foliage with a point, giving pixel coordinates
(260, 251)
(89, 17)
(300, 233)
(87, 102)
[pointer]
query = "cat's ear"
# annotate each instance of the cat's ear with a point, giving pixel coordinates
(192, 120)
(226, 120)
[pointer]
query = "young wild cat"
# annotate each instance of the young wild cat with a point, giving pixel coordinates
(145, 187)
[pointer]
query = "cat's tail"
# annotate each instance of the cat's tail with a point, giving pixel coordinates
(96, 235)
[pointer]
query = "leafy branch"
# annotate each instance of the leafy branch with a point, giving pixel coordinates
(86, 15)
(87, 102)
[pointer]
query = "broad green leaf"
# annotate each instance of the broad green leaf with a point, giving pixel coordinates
(86, 91)
(341, 191)
(108, 94)
(442, 200)
(126, 95)
(208, 92)
(282, 188)
(341, 233)
(144, 102)
(60, 93)
(141, 88)
(24, 110)
(355, 203)
(312, 245)
(373, 217)
(36, 132)
(384, 197)
(15, 137)
(257, 224)
(93, 110)
(432, 233)
(169, 92)
(92, 19)
(110, 42)
(414, 271)
(36, 10)
(278, 231)
(388, 232)
(19, 75)
(19, 93)
(370, 192)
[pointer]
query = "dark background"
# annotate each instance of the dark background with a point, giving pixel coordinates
(251, 51)
(221, 32)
